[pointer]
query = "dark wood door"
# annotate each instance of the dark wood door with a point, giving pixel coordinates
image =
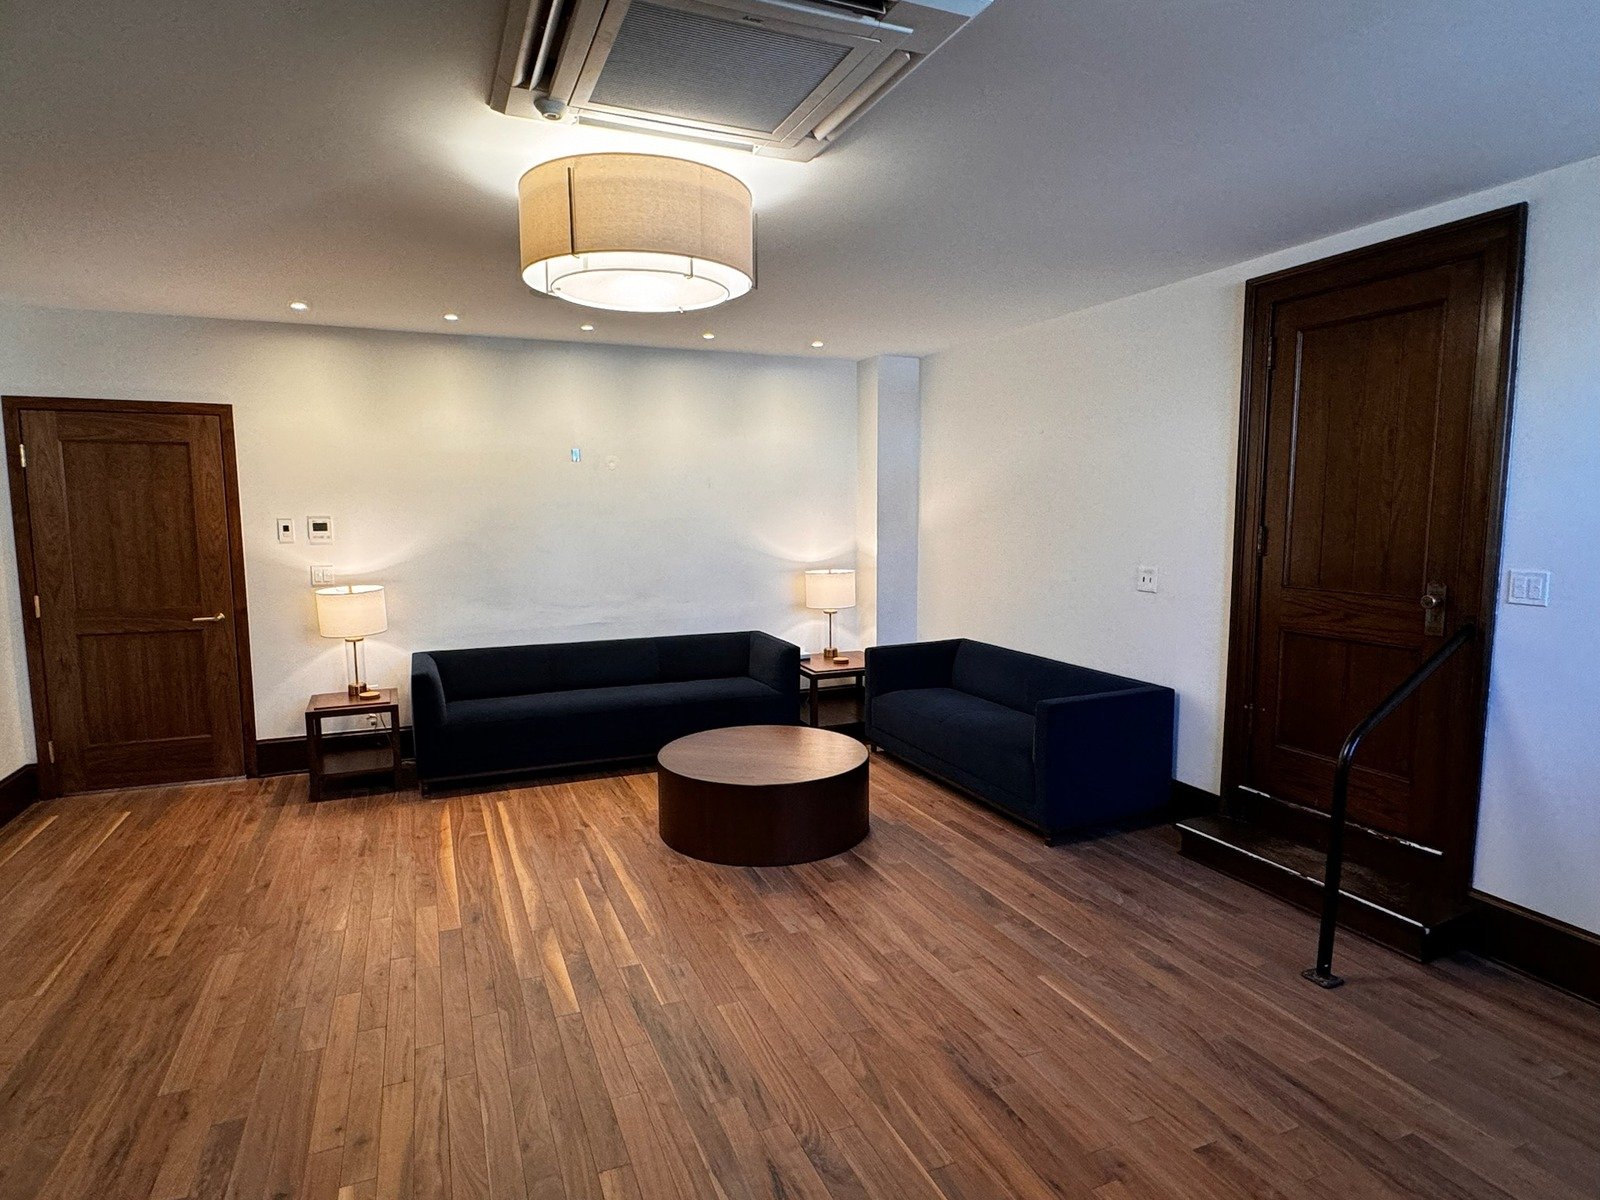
(1377, 500)
(133, 567)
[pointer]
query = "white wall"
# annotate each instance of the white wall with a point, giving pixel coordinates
(444, 462)
(1059, 458)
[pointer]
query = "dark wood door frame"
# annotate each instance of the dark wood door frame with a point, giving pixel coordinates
(1507, 227)
(13, 408)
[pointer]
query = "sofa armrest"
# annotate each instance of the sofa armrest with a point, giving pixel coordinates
(1103, 757)
(910, 665)
(427, 702)
(776, 663)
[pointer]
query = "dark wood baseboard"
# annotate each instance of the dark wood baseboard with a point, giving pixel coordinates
(18, 790)
(1549, 950)
(288, 756)
(1191, 801)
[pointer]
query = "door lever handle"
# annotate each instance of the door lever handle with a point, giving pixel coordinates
(218, 617)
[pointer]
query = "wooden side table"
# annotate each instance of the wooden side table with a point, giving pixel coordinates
(327, 765)
(814, 668)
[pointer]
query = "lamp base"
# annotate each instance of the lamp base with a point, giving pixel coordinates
(355, 668)
(830, 652)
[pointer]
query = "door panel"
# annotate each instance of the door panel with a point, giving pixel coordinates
(146, 561)
(132, 562)
(1367, 409)
(1376, 438)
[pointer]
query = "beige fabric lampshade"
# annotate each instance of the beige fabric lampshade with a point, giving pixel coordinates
(831, 589)
(636, 232)
(351, 612)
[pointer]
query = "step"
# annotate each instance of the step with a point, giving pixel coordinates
(1373, 902)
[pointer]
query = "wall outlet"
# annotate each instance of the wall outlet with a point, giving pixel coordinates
(322, 576)
(1528, 587)
(285, 527)
(1147, 580)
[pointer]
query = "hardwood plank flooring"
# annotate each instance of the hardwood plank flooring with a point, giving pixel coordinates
(225, 991)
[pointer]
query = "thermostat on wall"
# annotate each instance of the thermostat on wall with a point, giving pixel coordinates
(319, 529)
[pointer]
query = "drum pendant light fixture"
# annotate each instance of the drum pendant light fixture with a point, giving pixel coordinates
(636, 233)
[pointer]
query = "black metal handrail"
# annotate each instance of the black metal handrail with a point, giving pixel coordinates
(1322, 974)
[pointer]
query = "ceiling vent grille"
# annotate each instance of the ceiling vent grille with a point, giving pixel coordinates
(697, 68)
(777, 77)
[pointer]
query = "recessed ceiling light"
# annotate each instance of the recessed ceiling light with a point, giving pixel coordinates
(587, 328)
(452, 316)
(816, 345)
(299, 306)
(708, 335)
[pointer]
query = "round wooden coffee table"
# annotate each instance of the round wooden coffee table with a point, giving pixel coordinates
(763, 795)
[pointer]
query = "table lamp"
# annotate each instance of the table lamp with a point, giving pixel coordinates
(353, 613)
(830, 590)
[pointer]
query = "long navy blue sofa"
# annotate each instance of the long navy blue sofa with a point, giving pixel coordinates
(1055, 746)
(514, 709)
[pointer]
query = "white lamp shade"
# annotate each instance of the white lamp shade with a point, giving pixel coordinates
(636, 233)
(351, 612)
(831, 590)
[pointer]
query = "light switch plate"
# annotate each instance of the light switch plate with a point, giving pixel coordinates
(285, 527)
(319, 530)
(322, 576)
(1147, 580)
(1528, 587)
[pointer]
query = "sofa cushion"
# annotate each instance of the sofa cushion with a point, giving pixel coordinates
(983, 739)
(703, 656)
(500, 671)
(597, 724)
(589, 702)
(1021, 681)
(522, 670)
(992, 672)
(606, 664)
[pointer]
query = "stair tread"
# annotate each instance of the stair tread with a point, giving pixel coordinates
(1365, 882)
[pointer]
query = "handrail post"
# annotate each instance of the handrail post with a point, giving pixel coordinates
(1322, 974)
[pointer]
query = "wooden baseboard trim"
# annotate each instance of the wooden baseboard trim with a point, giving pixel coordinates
(1551, 951)
(18, 790)
(1191, 801)
(287, 756)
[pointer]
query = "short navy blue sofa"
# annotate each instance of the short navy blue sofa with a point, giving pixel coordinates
(1057, 747)
(515, 709)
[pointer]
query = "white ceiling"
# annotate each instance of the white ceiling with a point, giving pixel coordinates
(221, 157)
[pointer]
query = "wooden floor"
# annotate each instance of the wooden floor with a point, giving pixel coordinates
(224, 991)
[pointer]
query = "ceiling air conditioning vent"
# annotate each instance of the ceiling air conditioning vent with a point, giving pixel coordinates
(778, 78)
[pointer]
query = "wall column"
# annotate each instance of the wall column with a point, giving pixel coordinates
(889, 407)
